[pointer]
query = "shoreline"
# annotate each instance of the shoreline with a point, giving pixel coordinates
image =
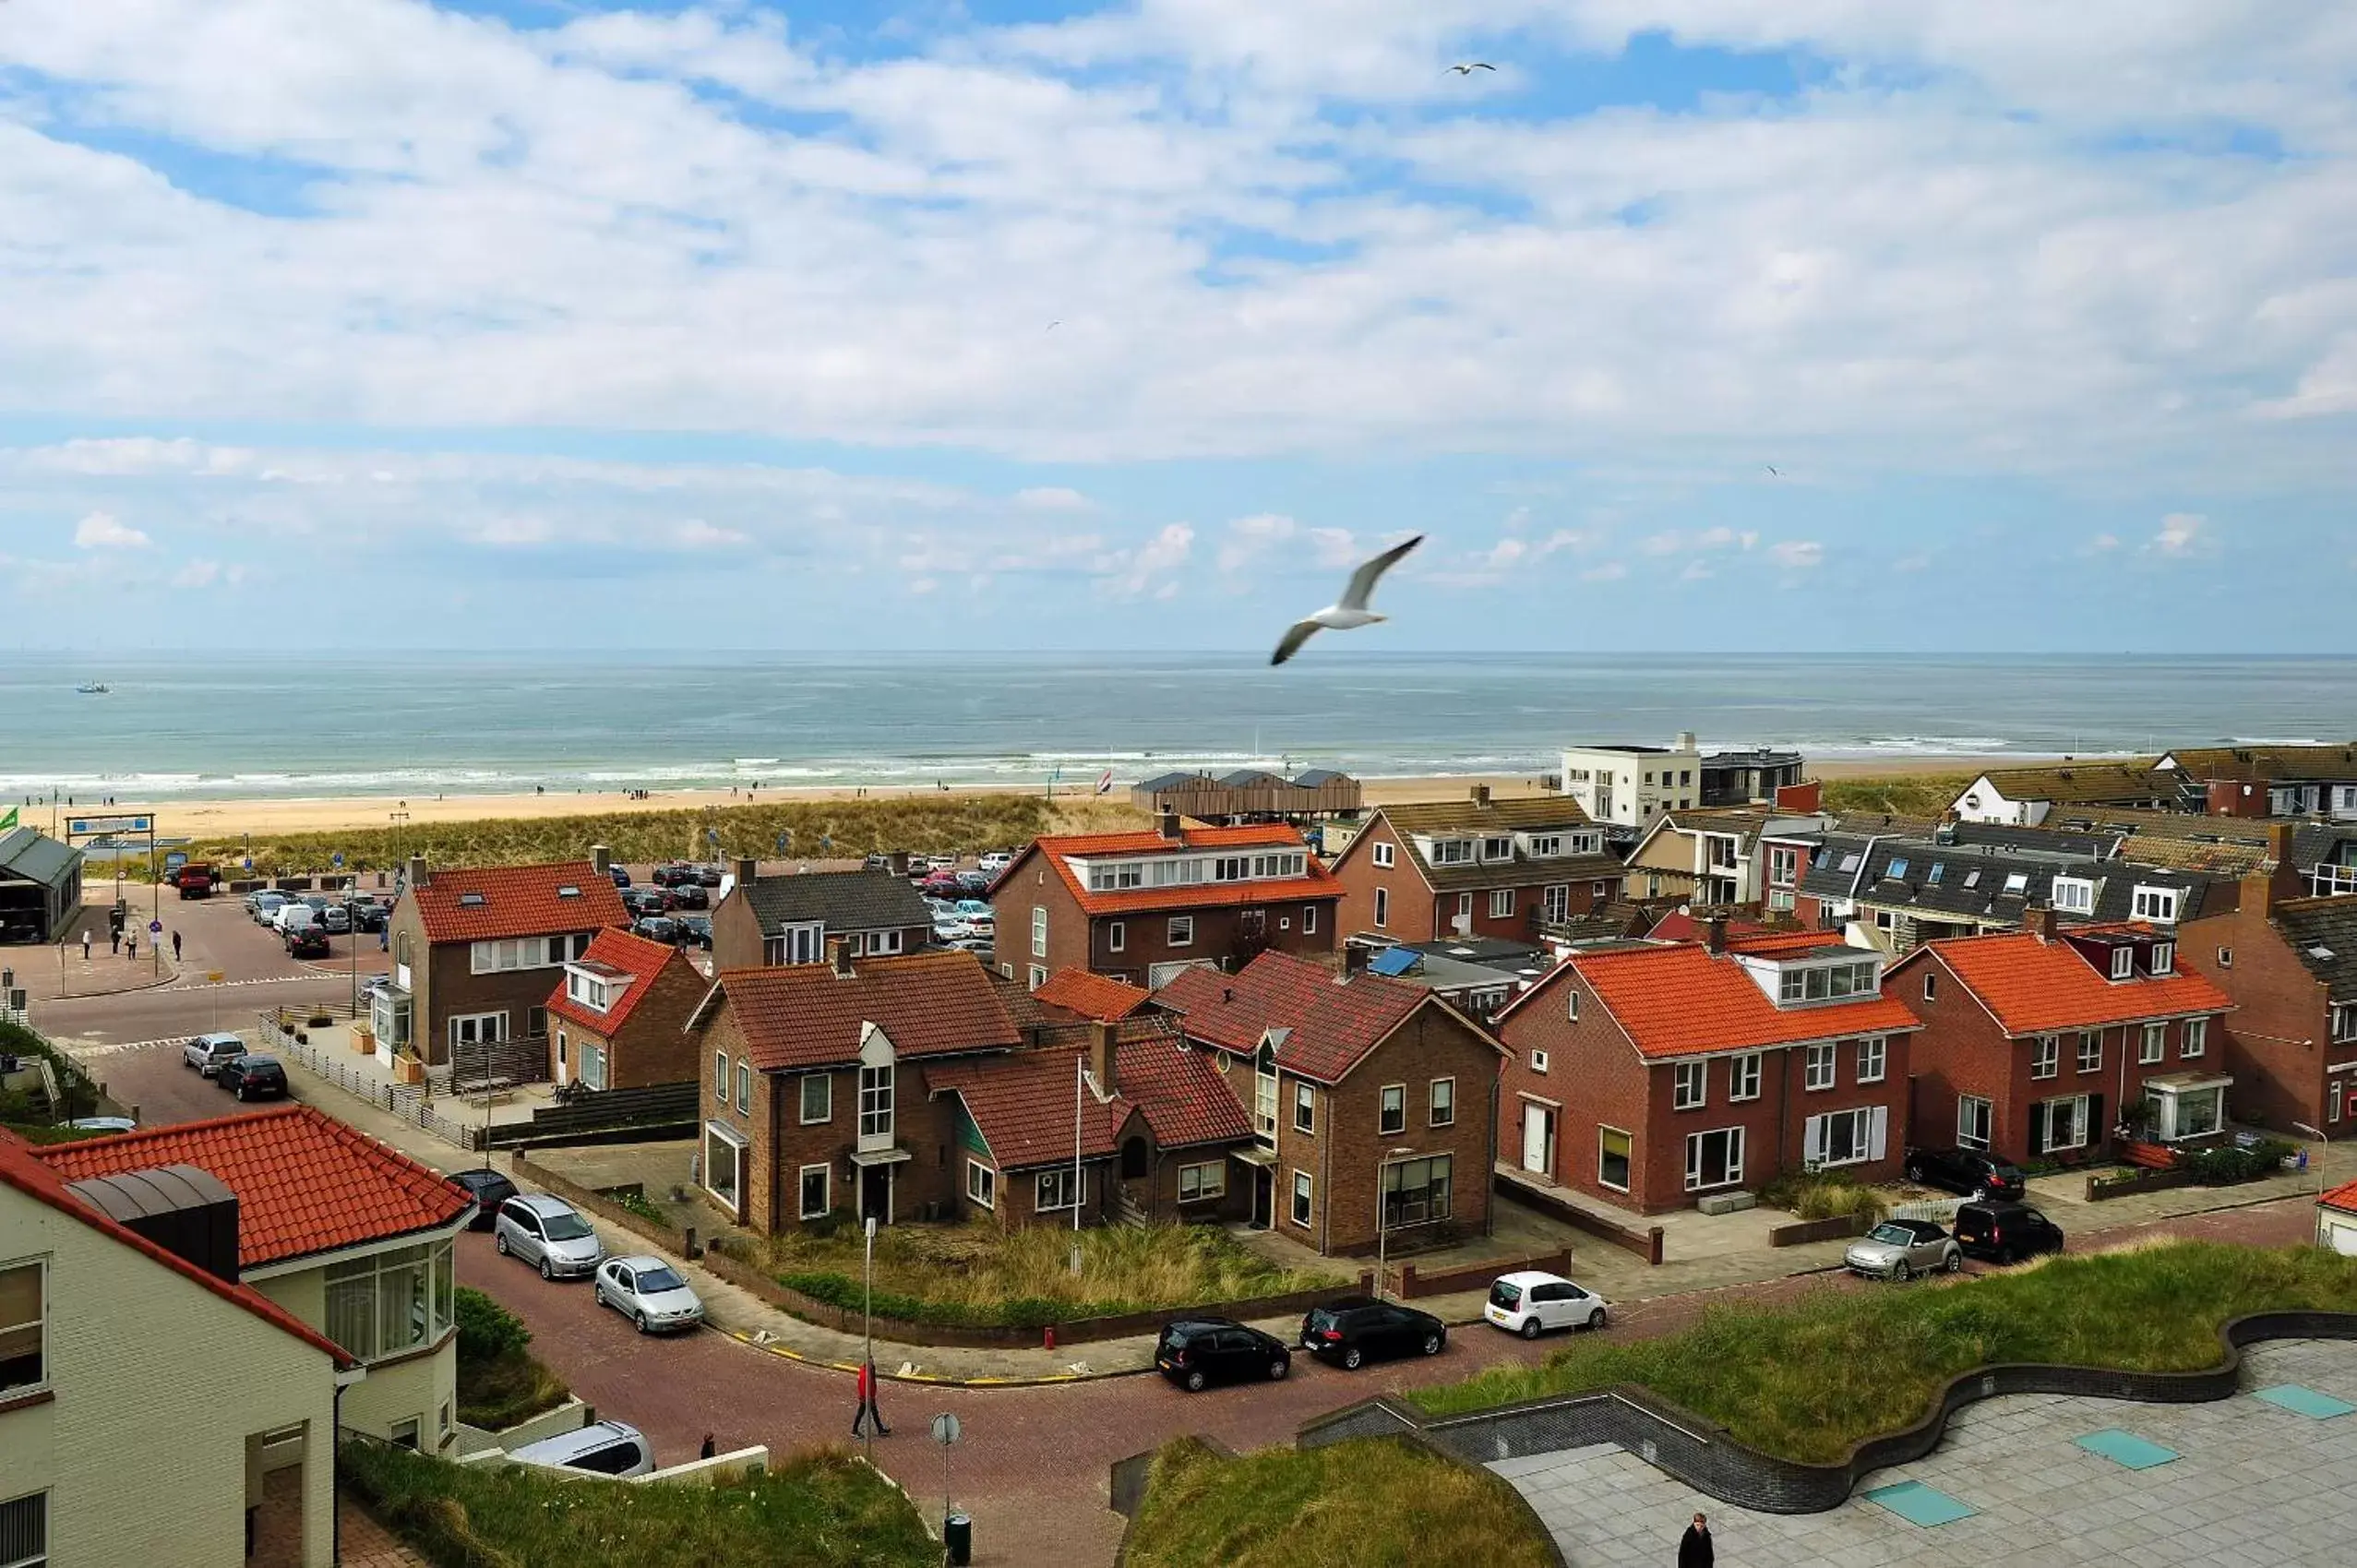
(217, 817)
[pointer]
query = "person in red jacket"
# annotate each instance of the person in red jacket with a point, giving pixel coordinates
(867, 1410)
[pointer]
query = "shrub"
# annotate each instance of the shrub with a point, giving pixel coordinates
(1825, 1197)
(486, 1330)
(2225, 1164)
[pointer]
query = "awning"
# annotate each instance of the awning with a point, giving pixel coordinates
(1255, 1154)
(879, 1156)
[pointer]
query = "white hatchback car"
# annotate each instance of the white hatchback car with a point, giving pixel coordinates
(1531, 1303)
(649, 1292)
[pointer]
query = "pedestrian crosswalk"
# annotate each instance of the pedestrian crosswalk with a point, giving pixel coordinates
(91, 1050)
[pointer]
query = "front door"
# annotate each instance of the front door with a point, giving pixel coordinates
(875, 1193)
(1264, 1197)
(1538, 1139)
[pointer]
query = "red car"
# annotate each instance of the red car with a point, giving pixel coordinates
(941, 884)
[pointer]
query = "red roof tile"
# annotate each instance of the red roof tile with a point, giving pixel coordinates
(2343, 1197)
(516, 901)
(633, 955)
(1184, 1099)
(1091, 996)
(1682, 1000)
(2035, 986)
(805, 1015)
(305, 1182)
(1023, 1103)
(1314, 883)
(1331, 1021)
(21, 1168)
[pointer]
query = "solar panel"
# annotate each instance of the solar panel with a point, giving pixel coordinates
(1394, 961)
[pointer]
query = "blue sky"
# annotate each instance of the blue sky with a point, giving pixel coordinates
(1059, 326)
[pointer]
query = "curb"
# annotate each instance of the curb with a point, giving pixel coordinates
(170, 979)
(821, 1363)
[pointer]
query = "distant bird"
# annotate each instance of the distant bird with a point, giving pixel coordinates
(1472, 65)
(1351, 611)
(1053, 325)
(1773, 471)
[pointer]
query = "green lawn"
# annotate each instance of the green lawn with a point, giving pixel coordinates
(1371, 1504)
(822, 1509)
(1810, 1381)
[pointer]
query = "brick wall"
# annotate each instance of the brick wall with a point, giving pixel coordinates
(1304, 929)
(1433, 1044)
(736, 933)
(2278, 1039)
(1960, 1051)
(1593, 1077)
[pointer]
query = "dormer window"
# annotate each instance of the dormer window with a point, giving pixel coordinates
(1500, 848)
(1452, 851)
(1547, 846)
(2164, 958)
(1824, 982)
(2123, 962)
(2075, 895)
(2156, 904)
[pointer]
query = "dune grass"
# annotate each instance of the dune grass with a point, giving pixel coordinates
(818, 1509)
(1371, 1504)
(1811, 1379)
(1907, 795)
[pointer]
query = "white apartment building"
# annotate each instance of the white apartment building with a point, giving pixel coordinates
(1632, 785)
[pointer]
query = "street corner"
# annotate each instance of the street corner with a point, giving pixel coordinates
(909, 1371)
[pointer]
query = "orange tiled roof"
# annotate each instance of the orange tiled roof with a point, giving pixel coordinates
(632, 954)
(805, 1015)
(516, 901)
(1330, 1021)
(1091, 996)
(2035, 986)
(1682, 1000)
(2343, 1197)
(22, 1168)
(1315, 882)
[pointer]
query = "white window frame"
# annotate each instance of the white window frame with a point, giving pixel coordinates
(1734, 1173)
(1117, 936)
(1744, 1077)
(2193, 1040)
(745, 1086)
(2164, 958)
(1555, 902)
(826, 1192)
(1301, 1207)
(2046, 1057)
(1965, 1121)
(2084, 1132)
(1538, 1062)
(2090, 1057)
(1502, 904)
(879, 1108)
(1572, 1004)
(2156, 904)
(1036, 975)
(1383, 907)
(1382, 856)
(2123, 962)
(1441, 1103)
(1873, 1059)
(1930, 984)
(2154, 1044)
(826, 1082)
(1391, 1109)
(2344, 1022)
(1604, 1180)
(1784, 866)
(720, 1076)
(1861, 1120)
(1039, 930)
(1207, 1180)
(1689, 1085)
(1309, 920)
(2336, 1098)
(1181, 932)
(981, 1183)
(2073, 895)
(373, 1277)
(1055, 1191)
(720, 1133)
(1822, 1068)
(1305, 1107)
(39, 1323)
(1264, 1096)
(1452, 852)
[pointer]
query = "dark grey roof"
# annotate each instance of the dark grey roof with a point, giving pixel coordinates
(35, 857)
(1313, 778)
(842, 901)
(1977, 881)
(1250, 778)
(1760, 759)
(1484, 949)
(1175, 781)
(2323, 934)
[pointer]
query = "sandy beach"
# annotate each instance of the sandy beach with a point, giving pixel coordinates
(178, 819)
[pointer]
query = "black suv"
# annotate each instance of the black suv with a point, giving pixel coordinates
(1972, 1172)
(311, 941)
(489, 1189)
(253, 1077)
(1354, 1328)
(1196, 1352)
(2005, 1232)
(690, 896)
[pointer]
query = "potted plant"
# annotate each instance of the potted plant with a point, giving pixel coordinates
(363, 1041)
(408, 1069)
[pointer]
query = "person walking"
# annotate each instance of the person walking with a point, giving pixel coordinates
(85, 944)
(1693, 1548)
(115, 938)
(131, 942)
(708, 1449)
(867, 1410)
(175, 947)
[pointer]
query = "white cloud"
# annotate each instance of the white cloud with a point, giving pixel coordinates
(1336, 546)
(1146, 570)
(197, 574)
(1249, 537)
(1796, 554)
(1696, 571)
(102, 531)
(2103, 544)
(2181, 533)
(697, 535)
(1054, 498)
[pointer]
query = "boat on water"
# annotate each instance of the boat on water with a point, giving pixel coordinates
(92, 689)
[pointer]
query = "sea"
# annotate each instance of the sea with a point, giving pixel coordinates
(298, 725)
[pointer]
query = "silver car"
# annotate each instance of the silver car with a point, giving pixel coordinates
(548, 1232)
(207, 1052)
(1901, 1249)
(649, 1292)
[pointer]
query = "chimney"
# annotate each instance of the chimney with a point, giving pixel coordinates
(839, 956)
(602, 859)
(1100, 1056)
(1714, 935)
(418, 875)
(900, 863)
(1685, 740)
(746, 869)
(1167, 825)
(1481, 794)
(2279, 879)
(2038, 921)
(1354, 957)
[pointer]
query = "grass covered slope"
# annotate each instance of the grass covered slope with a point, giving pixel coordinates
(1376, 1503)
(500, 1382)
(1811, 1381)
(1904, 795)
(821, 1509)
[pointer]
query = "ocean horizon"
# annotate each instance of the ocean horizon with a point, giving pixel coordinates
(264, 726)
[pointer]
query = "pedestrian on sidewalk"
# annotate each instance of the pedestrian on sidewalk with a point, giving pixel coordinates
(85, 944)
(1694, 1550)
(131, 940)
(114, 940)
(708, 1449)
(867, 1410)
(175, 947)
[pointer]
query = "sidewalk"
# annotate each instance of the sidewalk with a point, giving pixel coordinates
(58, 971)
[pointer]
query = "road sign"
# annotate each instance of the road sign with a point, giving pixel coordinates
(249, 863)
(91, 827)
(946, 1430)
(176, 859)
(338, 857)
(154, 926)
(215, 977)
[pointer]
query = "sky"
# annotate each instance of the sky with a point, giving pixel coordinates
(1954, 326)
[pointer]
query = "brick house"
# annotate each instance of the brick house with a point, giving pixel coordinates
(1650, 1076)
(619, 1015)
(1075, 994)
(788, 919)
(1476, 866)
(1717, 857)
(2041, 1043)
(1138, 906)
(474, 953)
(1352, 1084)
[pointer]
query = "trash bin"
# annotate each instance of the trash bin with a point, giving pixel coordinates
(957, 1536)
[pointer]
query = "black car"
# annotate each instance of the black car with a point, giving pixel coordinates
(253, 1077)
(708, 876)
(1194, 1352)
(695, 931)
(310, 941)
(2005, 1233)
(621, 877)
(657, 927)
(489, 1189)
(671, 873)
(366, 914)
(1973, 1172)
(1358, 1328)
(650, 901)
(973, 884)
(690, 895)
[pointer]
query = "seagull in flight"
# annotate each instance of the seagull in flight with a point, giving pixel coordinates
(1351, 611)
(1470, 67)
(1774, 472)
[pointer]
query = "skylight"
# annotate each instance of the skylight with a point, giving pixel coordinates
(1897, 869)
(1938, 869)
(2321, 955)
(474, 899)
(1849, 861)
(1972, 878)
(568, 891)
(2017, 881)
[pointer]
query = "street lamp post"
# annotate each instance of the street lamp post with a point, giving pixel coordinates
(1383, 1215)
(2321, 1136)
(867, 1327)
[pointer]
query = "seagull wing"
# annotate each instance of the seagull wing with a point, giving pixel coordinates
(1294, 635)
(1462, 70)
(1481, 66)
(1363, 582)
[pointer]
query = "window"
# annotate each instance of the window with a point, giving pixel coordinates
(2017, 881)
(2066, 1125)
(874, 1103)
(1452, 851)
(744, 1087)
(2045, 1057)
(2157, 905)
(1039, 931)
(2336, 1099)
(536, 1022)
(1502, 904)
(1182, 931)
(1846, 1137)
(1784, 866)
(1264, 1095)
(1308, 919)
(1546, 846)
(24, 1343)
(1035, 976)
(1497, 849)
(719, 1163)
(1538, 1062)
(593, 1063)
(1572, 1003)
(1972, 1123)
(392, 1302)
(1897, 869)
(1871, 1053)
(2226, 958)
(720, 1076)
(1390, 1117)
(1714, 1159)
(2155, 1044)
(1117, 936)
(2164, 958)
(24, 1531)
(1383, 907)
(1302, 1199)
(818, 1097)
(1305, 1107)
(2091, 1050)
(1687, 1085)
(2344, 1020)
(1744, 1077)
(1062, 1188)
(1555, 903)
(2123, 962)
(2196, 1038)
(1820, 1070)
(1779, 898)
(1383, 856)
(520, 952)
(1418, 1191)
(982, 1184)
(1612, 1150)
(815, 1194)
(1441, 1101)
(1200, 1183)
(2075, 895)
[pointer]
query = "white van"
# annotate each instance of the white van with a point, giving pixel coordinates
(605, 1448)
(292, 915)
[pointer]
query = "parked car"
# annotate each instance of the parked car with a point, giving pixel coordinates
(292, 917)
(1356, 1328)
(1530, 1303)
(941, 884)
(103, 1124)
(649, 901)
(264, 905)
(308, 941)
(708, 876)
(690, 895)
(489, 1189)
(649, 1292)
(671, 873)
(2005, 1232)
(974, 883)
(607, 1447)
(195, 880)
(950, 929)
(876, 863)
(207, 1052)
(317, 903)
(975, 911)
(366, 914)
(336, 920)
(548, 1232)
(695, 931)
(253, 1077)
(995, 862)
(941, 862)
(621, 877)
(1901, 1249)
(1193, 1352)
(657, 927)
(1973, 1172)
